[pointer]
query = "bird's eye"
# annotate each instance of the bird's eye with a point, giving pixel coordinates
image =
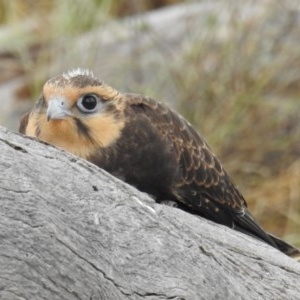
(87, 103)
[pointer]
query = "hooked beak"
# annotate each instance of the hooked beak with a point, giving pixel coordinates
(57, 109)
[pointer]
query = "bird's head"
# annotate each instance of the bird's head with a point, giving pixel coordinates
(76, 112)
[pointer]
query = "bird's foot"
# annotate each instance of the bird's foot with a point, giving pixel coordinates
(169, 203)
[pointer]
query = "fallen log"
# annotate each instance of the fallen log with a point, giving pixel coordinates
(69, 230)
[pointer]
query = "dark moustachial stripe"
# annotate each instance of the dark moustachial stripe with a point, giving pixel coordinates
(82, 129)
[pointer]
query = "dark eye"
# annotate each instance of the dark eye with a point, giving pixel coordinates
(87, 103)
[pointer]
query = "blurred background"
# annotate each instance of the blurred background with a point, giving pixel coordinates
(232, 68)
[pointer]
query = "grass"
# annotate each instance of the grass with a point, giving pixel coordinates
(241, 91)
(244, 95)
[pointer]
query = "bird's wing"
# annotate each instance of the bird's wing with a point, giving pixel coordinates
(200, 171)
(201, 182)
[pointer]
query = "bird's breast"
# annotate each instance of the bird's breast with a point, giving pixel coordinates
(142, 158)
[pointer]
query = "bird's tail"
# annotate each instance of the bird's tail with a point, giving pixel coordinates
(285, 247)
(247, 224)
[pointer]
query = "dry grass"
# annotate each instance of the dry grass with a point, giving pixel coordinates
(242, 91)
(244, 95)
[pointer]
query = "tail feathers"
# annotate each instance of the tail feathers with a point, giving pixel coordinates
(246, 224)
(285, 247)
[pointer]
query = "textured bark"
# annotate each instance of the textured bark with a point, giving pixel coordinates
(69, 230)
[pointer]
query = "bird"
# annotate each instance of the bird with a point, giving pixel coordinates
(144, 143)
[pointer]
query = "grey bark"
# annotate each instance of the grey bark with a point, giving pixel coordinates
(69, 230)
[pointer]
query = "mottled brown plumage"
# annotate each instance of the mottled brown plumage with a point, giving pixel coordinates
(145, 144)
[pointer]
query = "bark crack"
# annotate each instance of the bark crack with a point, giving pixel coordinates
(14, 146)
(119, 287)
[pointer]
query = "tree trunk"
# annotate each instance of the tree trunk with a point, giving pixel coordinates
(69, 230)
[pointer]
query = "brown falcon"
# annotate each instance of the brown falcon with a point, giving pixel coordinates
(144, 143)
